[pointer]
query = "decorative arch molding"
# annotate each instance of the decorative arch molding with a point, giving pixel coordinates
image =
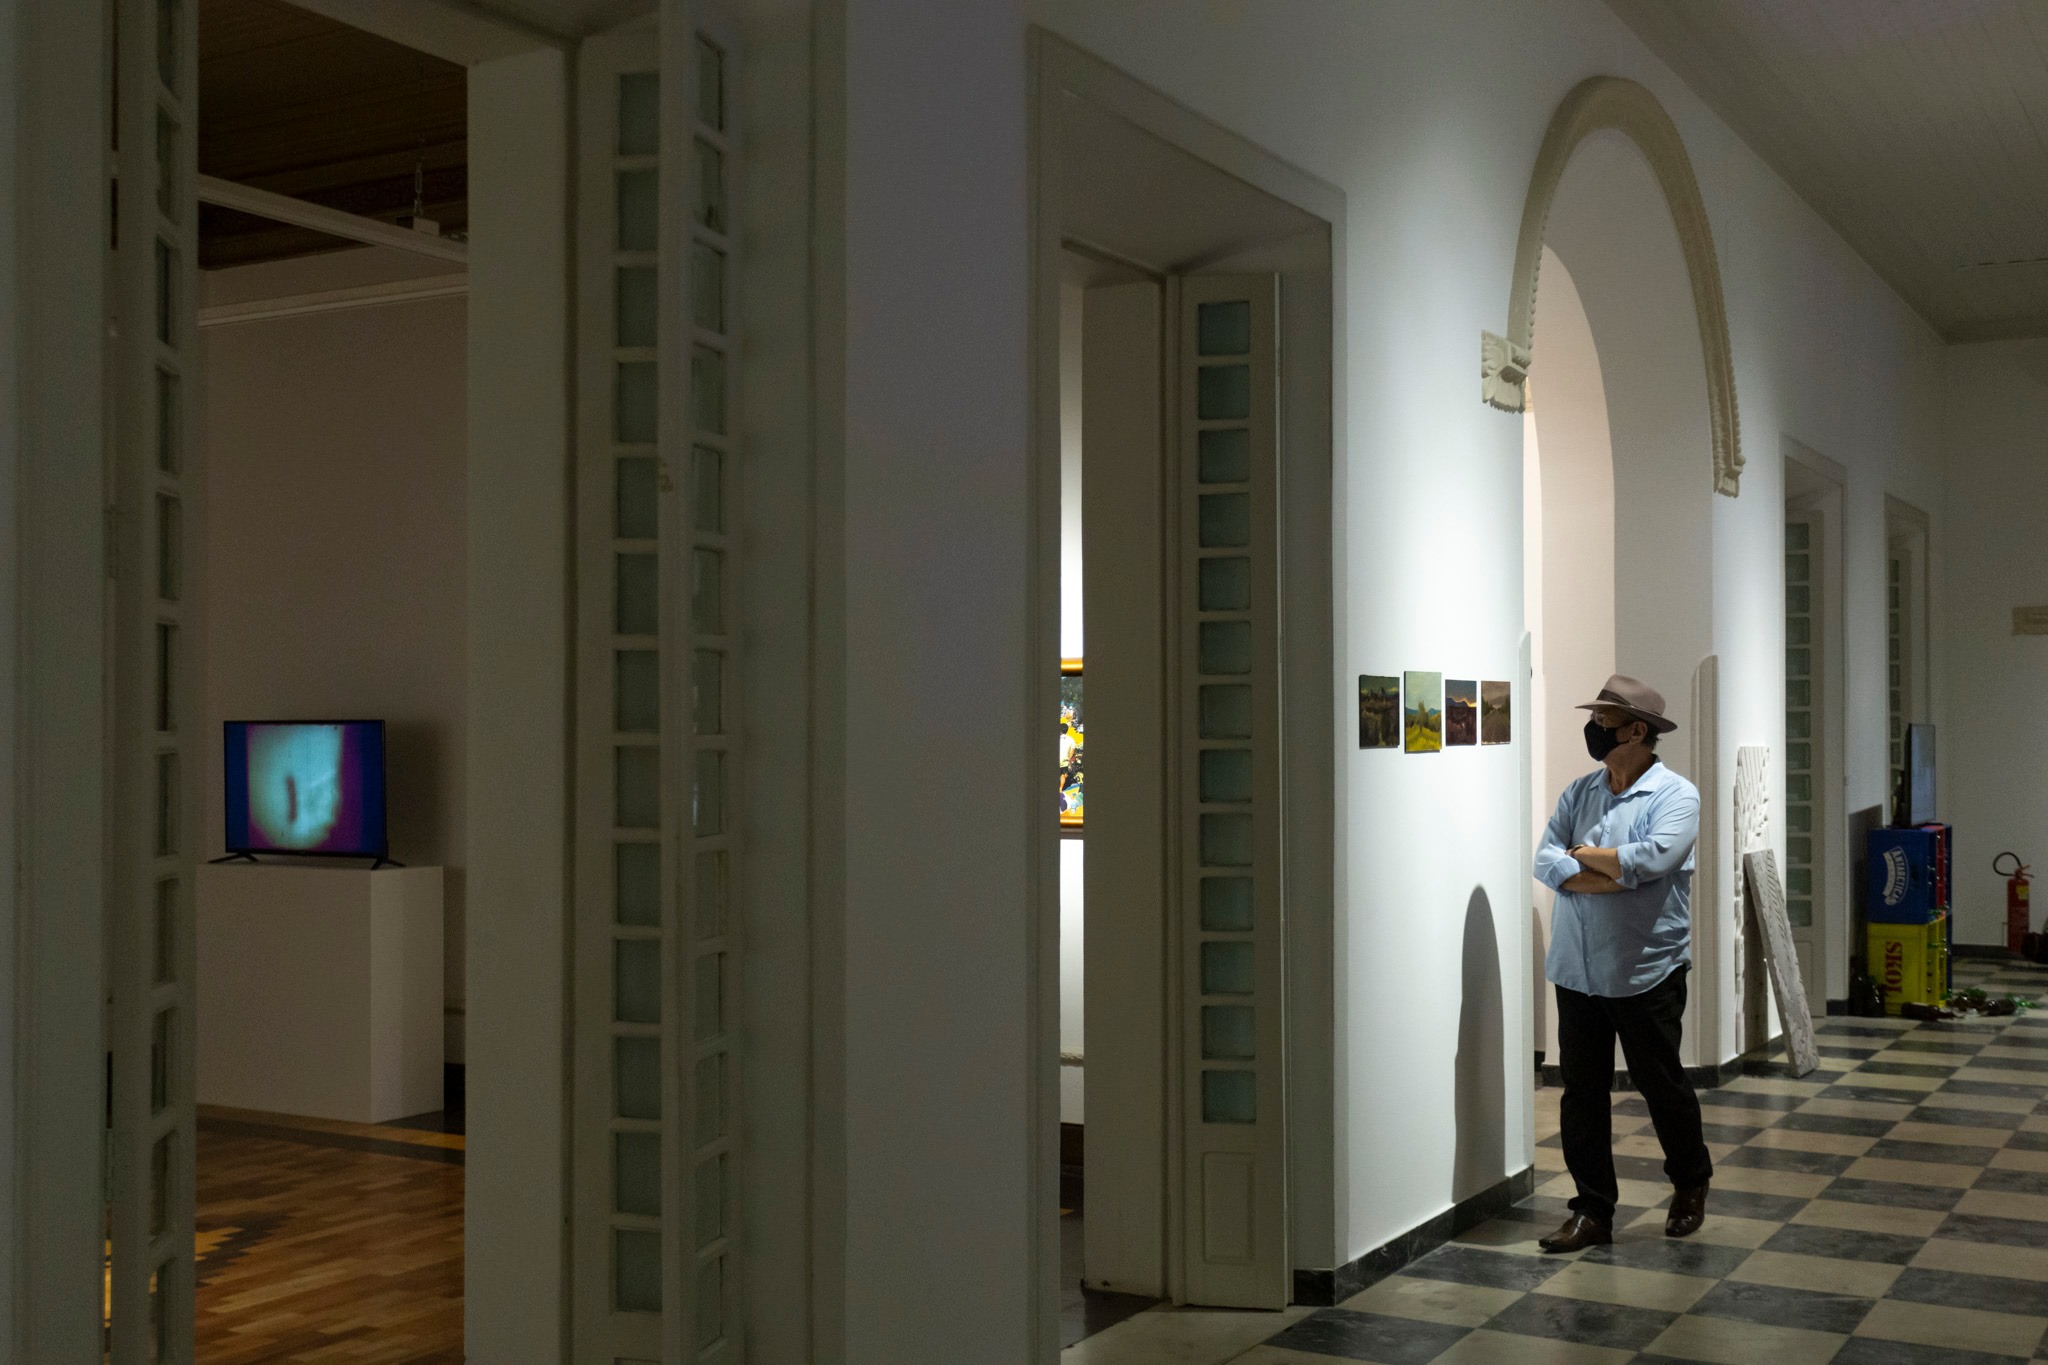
(1594, 105)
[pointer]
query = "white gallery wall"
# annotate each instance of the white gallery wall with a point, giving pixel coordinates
(335, 447)
(1427, 118)
(1994, 751)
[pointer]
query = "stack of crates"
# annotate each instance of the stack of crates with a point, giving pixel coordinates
(1910, 875)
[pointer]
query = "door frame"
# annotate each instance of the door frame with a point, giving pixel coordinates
(1825, 482)
(1315, 707)
(54, 593)
(1907, 533)
(520, 401)
(56, 588)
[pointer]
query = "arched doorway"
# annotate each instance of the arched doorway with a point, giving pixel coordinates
(1630, 432)
(1567, 569)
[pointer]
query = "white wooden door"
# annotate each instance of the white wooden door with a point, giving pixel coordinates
(1806, 729)
(153, 721)
(655, 1212)
(1227, 822)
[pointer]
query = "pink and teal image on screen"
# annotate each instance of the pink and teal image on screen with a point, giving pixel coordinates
(305, 787)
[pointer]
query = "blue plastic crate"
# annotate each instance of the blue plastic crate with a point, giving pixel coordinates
(1902, 877)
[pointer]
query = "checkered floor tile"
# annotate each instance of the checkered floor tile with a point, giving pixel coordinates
(1888, 1209)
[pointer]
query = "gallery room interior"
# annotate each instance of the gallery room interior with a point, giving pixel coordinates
(546, 534)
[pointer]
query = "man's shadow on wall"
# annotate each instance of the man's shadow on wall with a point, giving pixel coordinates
(1480, 1097)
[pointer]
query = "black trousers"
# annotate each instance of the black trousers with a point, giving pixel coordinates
(1648, 1026)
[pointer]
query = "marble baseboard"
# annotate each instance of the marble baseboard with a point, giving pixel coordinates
(1323, 1288)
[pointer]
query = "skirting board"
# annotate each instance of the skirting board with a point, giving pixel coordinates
(1992, 951)
(1322, 1288)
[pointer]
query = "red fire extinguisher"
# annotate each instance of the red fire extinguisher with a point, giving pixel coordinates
(2016, 907)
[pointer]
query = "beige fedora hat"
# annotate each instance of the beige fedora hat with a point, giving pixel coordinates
(1636, 697)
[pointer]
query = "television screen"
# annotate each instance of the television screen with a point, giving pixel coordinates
(305, 787)
(1920, 775)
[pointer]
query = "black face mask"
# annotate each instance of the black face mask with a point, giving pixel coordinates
(1601, 741)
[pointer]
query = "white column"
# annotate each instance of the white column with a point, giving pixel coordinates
(53, 585)
(518, 705)
(941, 597)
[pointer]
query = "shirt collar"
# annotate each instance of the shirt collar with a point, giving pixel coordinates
(1652, 778)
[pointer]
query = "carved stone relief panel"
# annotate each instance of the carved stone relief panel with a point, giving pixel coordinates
(1767, 901)
(1752, 832)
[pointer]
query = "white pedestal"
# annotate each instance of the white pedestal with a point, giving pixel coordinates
(320, 990)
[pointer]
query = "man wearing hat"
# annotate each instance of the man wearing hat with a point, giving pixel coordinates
(1619, 855)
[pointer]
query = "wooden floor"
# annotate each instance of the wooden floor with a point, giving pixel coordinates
(322, 1241)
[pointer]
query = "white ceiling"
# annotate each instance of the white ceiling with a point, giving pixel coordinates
(1918, 128)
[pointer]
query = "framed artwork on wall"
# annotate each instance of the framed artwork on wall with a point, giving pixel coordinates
(1425, 712)
(1494, 712)
(1461, 711)
(1379, 711)
(1072, 734)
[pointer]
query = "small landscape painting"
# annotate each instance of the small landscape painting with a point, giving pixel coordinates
(1071, 736)
(1461, 711)
(1425, 712)
(1494, 698)
(1379, 711)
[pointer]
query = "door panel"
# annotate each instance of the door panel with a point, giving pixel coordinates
(153, 721)
(1126, 871)
(1806, 729)
(1227, 791)
(655, 1181)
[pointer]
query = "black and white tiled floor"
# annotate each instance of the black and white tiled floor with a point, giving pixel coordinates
(1889, 1209)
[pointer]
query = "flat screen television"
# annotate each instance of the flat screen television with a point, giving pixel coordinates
(305, 787)
(1919, 783)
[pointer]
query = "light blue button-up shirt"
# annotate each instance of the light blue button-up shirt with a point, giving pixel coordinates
(1624, 942)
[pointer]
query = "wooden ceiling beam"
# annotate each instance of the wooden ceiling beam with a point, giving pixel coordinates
(360, 114)
(342, 165)
(334, 118)
(284, 209)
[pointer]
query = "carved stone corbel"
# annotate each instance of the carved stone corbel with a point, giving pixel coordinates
(1503, 372)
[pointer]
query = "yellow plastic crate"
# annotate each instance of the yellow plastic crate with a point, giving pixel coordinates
(1910, 962)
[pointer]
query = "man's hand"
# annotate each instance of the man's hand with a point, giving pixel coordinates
(1592, 883)
(1605, 861)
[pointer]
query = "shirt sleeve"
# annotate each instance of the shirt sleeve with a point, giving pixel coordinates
(1674, 828)
(1554, 866)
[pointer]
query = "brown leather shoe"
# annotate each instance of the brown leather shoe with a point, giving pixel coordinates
(1578, 1233)
(1688, 1211)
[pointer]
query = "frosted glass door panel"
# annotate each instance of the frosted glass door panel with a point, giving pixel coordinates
(152, 722)
(1226, 680)
(657, 969)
